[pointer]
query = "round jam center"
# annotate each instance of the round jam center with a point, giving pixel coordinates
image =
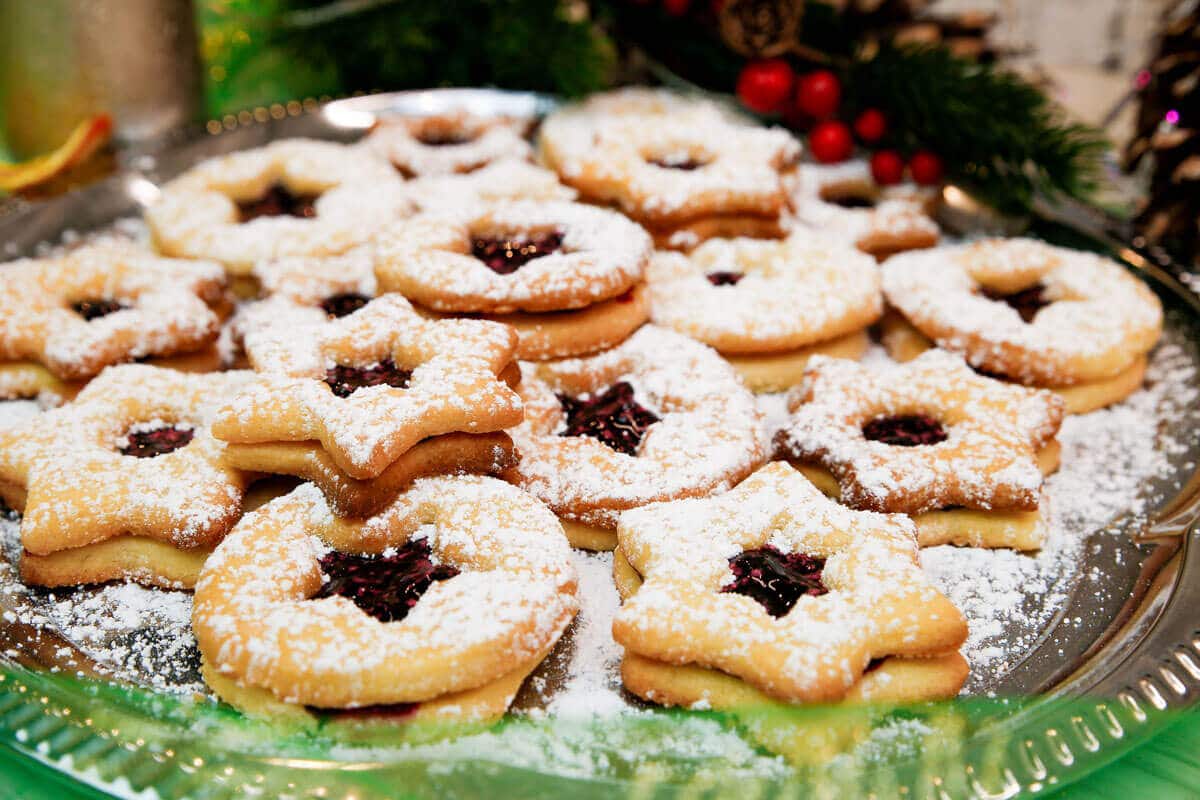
(152, 442)
(1027, 302)
(683, 163)
(444, 138)
(96, 308)
(506, 255)
(387, 586)
(345, 380)
(776, 579)
(613, 416)
(278, 202)
(724, 278)
(906, 431)
(341, 305)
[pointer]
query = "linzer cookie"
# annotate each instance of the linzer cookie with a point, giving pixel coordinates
(435, 609)
(126, 482)
(448, 144)
(1044, 316)
(498, 182)
(774, 590)
(657, 417)
(769, 305)
(98, 306)
(686, 176)
(843, 201)
(361, 403)
(963, 454)
(564, 274)
(295, 197)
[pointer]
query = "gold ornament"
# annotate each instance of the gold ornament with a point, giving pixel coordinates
(761, 28)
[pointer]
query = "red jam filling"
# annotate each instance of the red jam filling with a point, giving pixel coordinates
(341, 305)
(387, 586)
(907, 431)
(444, 138)
(1027, 302)
(850, 201)
(724, 278)
(506, 255)
(94, 309)
(345, 380)
(776, 579)
(157, 441)
(278, 202)
(614, 417)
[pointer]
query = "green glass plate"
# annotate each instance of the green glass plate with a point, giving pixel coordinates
(1108, 671)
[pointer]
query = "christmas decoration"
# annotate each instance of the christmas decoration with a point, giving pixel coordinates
(870, 126)
(764, 86)
(819, 95)
(925, 168)
(887, 167)
(760, 28)
(830, 142)
(1167, 141)
(87, 138)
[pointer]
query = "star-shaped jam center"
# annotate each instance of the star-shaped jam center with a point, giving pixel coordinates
(506, 254)
(341, 305)
(1027, 302)
(346, 380)
(142, 442)
(384, 586)
(278, 202)
(905, 431)
(776, 580)
(614, 417)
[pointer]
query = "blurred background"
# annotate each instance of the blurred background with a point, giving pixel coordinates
(159, 69)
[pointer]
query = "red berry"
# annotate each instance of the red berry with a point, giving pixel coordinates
(926, 168)
(819, 95)
(831, 142)
(676, 8)
(870, 126)
(887, 167)
(764, 86)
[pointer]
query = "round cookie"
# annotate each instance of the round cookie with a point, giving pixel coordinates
(451, 588)
(843, 201)
(522, 256)
(751, 296)
(294, 197)
(1028, 311)
(655, 418)
(447, 144)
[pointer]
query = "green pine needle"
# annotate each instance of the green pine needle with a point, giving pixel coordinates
(996, 133)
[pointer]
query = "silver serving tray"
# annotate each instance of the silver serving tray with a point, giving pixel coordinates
(1134, 648)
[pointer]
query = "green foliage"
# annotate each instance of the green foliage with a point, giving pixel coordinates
(996, 133)
(401, 44)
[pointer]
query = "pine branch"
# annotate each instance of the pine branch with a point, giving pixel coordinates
(996, 133)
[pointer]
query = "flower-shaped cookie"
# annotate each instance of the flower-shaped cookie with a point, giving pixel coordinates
(132, 458)
(370, 385)
(295, 197)
(929, 434)
(338, 284)
(447, 144)
(521, 256)
(776, 584)
(655, 418)
(1023, 309)
(105, 304)
(498, 182)
(456, 585)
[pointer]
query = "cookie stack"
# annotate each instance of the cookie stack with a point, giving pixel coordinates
(769, 305)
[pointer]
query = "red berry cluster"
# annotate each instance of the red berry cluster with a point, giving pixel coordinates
(771, 86)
